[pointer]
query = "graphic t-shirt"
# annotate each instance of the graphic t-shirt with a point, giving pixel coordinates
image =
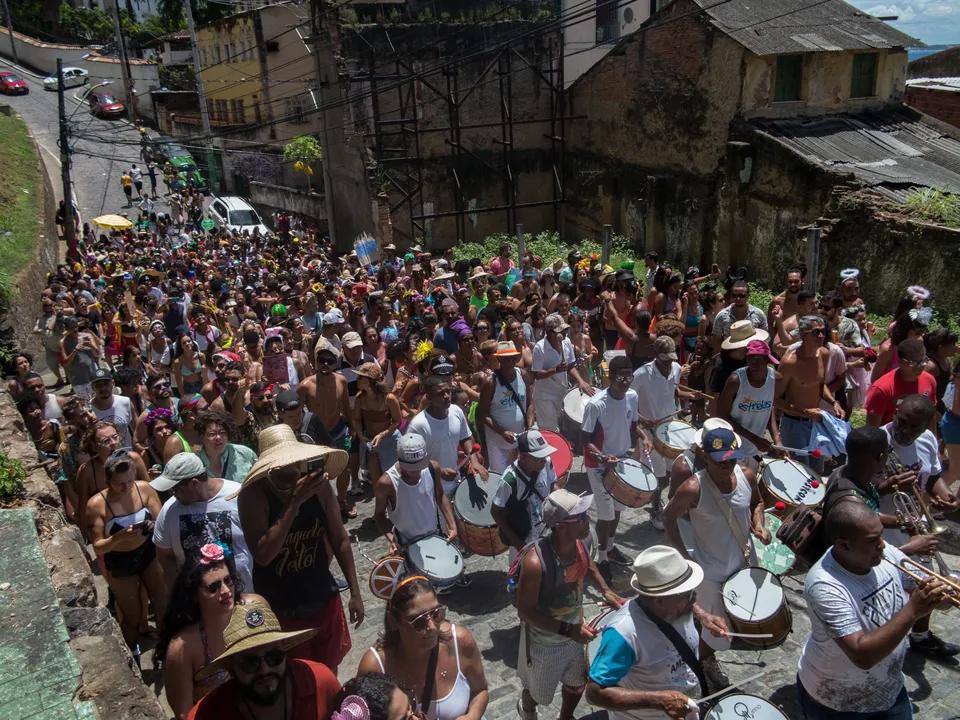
(120, 414)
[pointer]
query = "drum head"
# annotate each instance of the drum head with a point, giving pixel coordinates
(775, 557)
(436, 558)
(676, 434)
(574, 403)
(563, 457)
(598, 623)
(792, 482)
(738, 707)
(636, 475)
(469, 504)
(385, 576)
(753, 594)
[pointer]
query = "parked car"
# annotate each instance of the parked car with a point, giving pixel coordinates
(105, 105)
(236, 214)
(13, 84)
(72, 77)
(164, 150)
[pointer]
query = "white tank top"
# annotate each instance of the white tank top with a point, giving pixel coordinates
(715, 547)
(457, 701)
(415, 514)
(503, 409)
(752, 406)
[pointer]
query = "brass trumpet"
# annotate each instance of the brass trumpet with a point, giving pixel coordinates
(950, 581)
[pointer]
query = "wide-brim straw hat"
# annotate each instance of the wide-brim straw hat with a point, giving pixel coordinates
(279, 448)
(741, 333)
(252, 625)
(478, 273)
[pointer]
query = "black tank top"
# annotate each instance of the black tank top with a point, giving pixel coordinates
(298, 582)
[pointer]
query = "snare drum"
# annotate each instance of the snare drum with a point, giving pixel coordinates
(598, 623)
(574, 404)
(754, 601)
(740, 706)
(672, 437)
(630, 482)
(436, 559)
(791, 483)
(563, 457)
(475, 525)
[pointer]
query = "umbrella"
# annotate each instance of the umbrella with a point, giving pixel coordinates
(112, 222)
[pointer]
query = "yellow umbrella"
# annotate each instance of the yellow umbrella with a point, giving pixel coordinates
(112, 222)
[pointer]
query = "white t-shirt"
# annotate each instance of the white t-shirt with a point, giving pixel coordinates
(543, 483)
(611, 419)
(546, 358)
(443, 437)
(120, 415)
(839, 604)
(187, 528)
(923, 458)
(203, 339)
(656, 394)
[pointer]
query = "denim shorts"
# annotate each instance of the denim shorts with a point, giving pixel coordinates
(950, 428)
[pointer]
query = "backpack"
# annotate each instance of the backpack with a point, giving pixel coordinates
(515, 509)
(803, 529)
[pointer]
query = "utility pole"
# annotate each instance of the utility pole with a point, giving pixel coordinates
(13, 44)
(69, 224)
(201, 93)
(122, 52)
(316, 15)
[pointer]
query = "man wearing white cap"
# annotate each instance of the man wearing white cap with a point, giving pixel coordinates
(550, 605)
(331, 327)
(554, 368)
(646, 667)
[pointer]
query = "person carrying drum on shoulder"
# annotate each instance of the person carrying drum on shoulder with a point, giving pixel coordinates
(518, 505)
(504, 408)
(646, 667)
(555, 365)
(658, 394)
(550, 605)
(724, 506)
(609, 424)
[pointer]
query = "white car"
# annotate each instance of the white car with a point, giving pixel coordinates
(72, 77)
(236, 214)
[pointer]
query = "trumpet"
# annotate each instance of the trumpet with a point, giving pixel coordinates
(949, 581)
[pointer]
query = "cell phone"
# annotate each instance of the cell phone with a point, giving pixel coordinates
(313, 465)
(139, 525)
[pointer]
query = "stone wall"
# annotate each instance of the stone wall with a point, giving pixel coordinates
(942, 104)
(945, 63)
(284, 198)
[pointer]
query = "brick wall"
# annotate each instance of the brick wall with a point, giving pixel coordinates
(941, 104)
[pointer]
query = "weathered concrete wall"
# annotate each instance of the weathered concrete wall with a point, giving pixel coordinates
(299, 201)
(825, 86)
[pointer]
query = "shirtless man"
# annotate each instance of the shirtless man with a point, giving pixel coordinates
(326, 395)
(618, 312)
(787, 303)
(850, 287)
(801, 387)
(784, 326)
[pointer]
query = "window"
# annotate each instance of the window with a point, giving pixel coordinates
(239, 116)
(297, 111)
(657, 5)
(223, 112)
(256, 110)
(203, 57)
(608, 28)
(216, 54)
(864, 75)
(789, 76)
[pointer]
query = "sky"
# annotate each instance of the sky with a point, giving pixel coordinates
(935, 22)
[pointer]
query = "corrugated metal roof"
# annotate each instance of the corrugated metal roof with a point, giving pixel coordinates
(775, 27)
(950, 84)
(890, 151)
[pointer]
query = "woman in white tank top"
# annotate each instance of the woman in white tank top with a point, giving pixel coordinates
(415, 628)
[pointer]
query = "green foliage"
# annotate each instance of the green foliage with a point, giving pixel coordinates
(935, 206)
(12, 477)
(548, 245)
(348, 16)
(302, 147)
(394, 17)
(759, 296)
(425, 16)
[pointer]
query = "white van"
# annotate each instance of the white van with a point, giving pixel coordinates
(236, 214)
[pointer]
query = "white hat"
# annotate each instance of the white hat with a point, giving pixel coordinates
(334, 317)
(351, 340)
(661, 570)
(533, 443)
(709, 424)
(562, 504)
(412, 453)
(741, 333)
(182, 467)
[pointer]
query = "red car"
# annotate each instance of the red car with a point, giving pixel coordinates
(105, 105)
(13, 84)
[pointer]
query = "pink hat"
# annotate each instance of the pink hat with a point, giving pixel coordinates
(759, 347)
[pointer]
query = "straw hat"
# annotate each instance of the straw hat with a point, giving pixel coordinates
(252, 625)
(741, 333)
(478, 273)
(279, 448)
(371, 371)
(507, 349)
(442, 275)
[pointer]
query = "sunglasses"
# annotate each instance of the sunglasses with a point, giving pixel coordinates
(739, 296)
(818, 332)
(251, 663)
(623, 378)
(159, 385)
(326, 361)
(214, 586)
(482, 328)
(264, 397)
(421, 623)
(915, 363)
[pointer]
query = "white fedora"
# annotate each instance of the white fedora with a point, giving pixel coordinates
(661, 570)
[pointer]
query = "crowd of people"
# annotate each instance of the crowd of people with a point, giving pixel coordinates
(231, 395)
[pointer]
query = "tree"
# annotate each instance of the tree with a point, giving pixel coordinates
(303, 151)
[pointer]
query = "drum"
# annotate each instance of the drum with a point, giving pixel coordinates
(791, 483)
(754, 601)
(475, 525)
(775, 557)
(563, 457)
(740, 706)
(436, 559)
(630, 482)
(571, 421)
(598, 623)
(672, 437)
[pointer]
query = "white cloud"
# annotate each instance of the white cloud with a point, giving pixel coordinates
(934, 22)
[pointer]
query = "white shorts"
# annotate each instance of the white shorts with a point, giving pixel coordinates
(548, 409)
(550, 666)
(710, 598)
(660, 465)
(606, 505)
(499, 453)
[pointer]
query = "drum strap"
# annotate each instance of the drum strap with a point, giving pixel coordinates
(428, 683)
(680, 645)
(513, 393)
(746, 547)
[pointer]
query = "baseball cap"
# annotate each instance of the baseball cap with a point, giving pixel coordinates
(334, 317)
(665, 348)
(102, 374)
(351, 340)
(708, 425)
(759, 347)
(441, 365)
(116, 458)
(533, 443)
(722, 445)
(412, 453)
(182, 467)
(562, 504)
(555, 323)
(287, 400)
(328, 347)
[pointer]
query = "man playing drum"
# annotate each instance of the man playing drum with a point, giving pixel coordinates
(554, 368)
(724, 507)
(639, 672)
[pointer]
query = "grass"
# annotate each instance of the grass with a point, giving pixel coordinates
(21, 201)
(932, 205)
(549, 246)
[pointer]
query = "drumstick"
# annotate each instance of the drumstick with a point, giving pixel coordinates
(750, 635)
(476, 449)
(727, 689)
(701, 393)
(813, 453)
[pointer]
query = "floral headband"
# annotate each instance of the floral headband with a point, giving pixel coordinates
(353, 707)
(157, 414)
(213, 553)
(921, 315)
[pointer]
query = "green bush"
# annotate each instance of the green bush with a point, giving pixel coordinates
(12, 476)
(547, 245)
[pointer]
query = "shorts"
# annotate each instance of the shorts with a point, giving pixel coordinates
(332, 641)
(549, 666)
(499, 453)
(386, 451)
(192, 388)
(341, 436)
(607, 506)
(661, 468)
(548, 409)
(53, 359)
(950, 428)
(710, 598)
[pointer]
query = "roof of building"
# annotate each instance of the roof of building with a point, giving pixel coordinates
(950, 84)
(775, 27)
(891, 151)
